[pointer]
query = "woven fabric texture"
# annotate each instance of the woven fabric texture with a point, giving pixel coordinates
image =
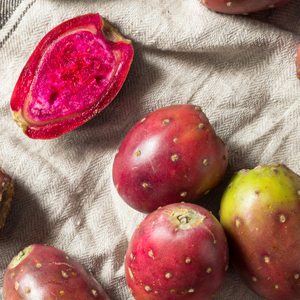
(239, 69)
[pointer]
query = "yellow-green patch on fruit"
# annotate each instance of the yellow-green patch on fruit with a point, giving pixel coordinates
(273, 185)
(260, 213)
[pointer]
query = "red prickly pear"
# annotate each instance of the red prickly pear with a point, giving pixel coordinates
(171, 155)
(6, 194)
(260, 212)
(298, 63)
(75, 71)
(44, 273)
(179, 251)
(241, 6)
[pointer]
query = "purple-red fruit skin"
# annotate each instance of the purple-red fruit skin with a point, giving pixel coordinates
(75, 72)
(45, 273)
(242, 6)
(298, 63)
(178, 252)
(171, 155)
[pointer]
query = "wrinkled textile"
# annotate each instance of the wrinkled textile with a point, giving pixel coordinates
(239, 69)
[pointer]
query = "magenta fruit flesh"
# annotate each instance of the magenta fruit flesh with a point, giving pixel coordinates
(75, 72)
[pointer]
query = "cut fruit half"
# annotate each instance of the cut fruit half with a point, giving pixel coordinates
(75, 72)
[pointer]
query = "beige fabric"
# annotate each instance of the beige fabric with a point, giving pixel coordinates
(239, 69)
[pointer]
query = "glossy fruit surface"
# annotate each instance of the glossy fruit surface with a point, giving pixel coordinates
(298, 63)
(260, 213)
(45, 273)
(171, 155)
(178, 252)
(242, 6)
(75, 71)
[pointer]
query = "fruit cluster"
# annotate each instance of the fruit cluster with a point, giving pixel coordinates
(180, 250)
(168, 161)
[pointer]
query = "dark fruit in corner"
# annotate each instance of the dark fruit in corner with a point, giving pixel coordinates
(171, 155)
(44, 273)
(6, 194)
(178, 252)
(75, 71)
(242, 6)
(260, 212)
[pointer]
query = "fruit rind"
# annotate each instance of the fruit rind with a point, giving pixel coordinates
(23, 97)
(242, 6)
(298, 63)
(170, 262)
(260, 214)
(43, 272)
(20, 257)
(171, 155)
(257, 180)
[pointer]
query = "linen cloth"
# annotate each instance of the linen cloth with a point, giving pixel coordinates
(239, 69)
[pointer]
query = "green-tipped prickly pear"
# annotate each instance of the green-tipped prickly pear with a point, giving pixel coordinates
(260, 213)
(45, 273)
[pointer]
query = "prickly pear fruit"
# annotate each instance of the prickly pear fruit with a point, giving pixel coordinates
(260, 212)
(44, 273)
(75, 71)
(6, 194)
(171, 155)
(178, 252)
(298, 63)
(241, 6)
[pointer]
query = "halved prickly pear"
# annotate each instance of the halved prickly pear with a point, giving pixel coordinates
(178, 252)
(44, 273)
(242, 6)
(298, 63)
(260, 212)
(75, 71)
(6, 194)
(171, 155)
